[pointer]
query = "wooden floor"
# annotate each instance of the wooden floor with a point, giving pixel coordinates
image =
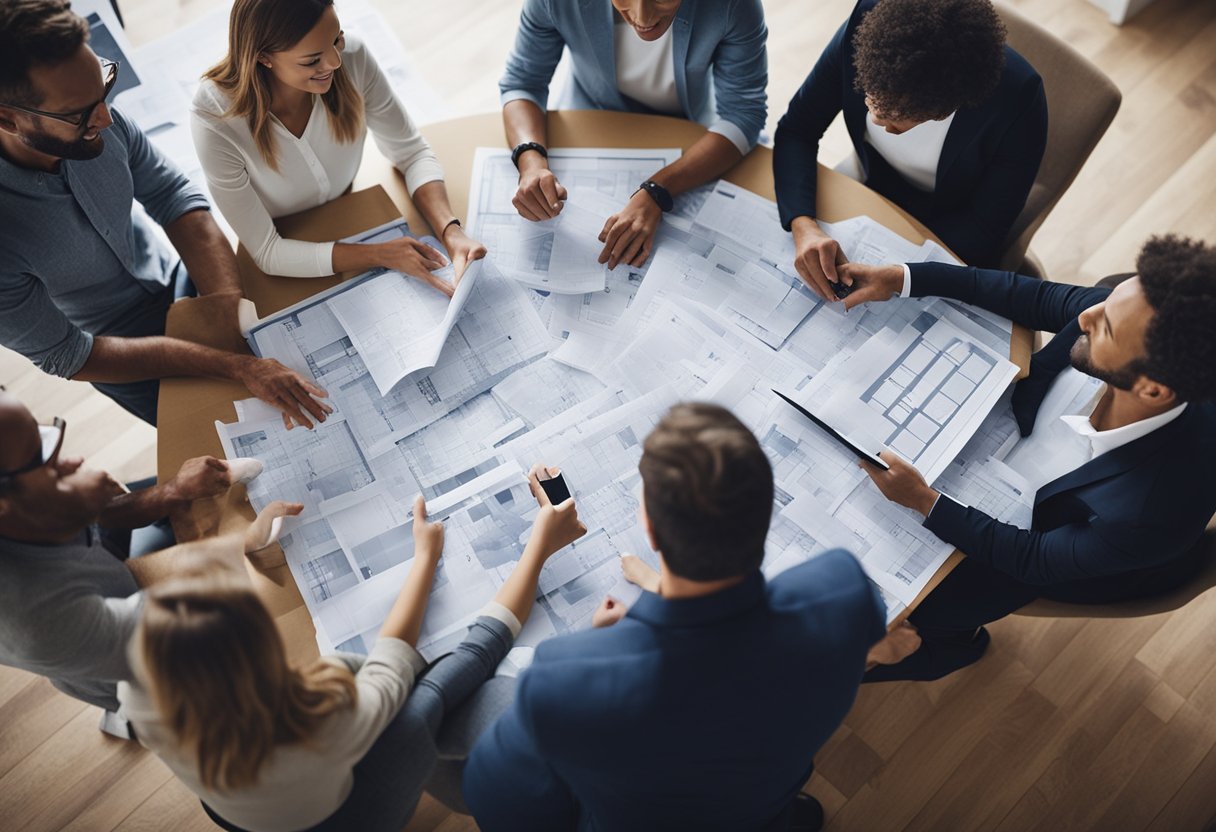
(1067, 725)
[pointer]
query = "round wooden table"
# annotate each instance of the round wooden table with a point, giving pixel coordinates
(189, 408)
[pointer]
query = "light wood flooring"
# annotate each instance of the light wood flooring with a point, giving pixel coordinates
(1068, 724)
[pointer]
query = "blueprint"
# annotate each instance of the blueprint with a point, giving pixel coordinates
(577, 379)
(558, 255)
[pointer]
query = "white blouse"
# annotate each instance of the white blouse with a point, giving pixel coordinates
(914, 153)
(645, 70)
(313, 169)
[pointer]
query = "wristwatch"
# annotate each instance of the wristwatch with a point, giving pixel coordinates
(659, 194)
(523, 147)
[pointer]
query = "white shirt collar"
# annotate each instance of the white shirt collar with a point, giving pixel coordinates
(1102, 441)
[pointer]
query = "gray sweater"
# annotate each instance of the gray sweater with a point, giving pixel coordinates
(67, 612)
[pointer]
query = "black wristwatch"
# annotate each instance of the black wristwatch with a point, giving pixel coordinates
(523, 147)
(659, 194)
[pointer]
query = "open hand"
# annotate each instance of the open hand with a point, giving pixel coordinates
(285, 389)
(555, 526)
(416, 259)
(902, 483)
(628, 235)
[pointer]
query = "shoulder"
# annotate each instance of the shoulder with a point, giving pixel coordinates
(210, 102)
(832, 579)
(598, 664)
(1019, 79)
(356, 57)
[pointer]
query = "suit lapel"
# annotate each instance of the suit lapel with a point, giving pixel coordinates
(1121, 459)
(681, 38)
(963, 131)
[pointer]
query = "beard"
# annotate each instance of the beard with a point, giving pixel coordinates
(1121, 378)
(77, 150)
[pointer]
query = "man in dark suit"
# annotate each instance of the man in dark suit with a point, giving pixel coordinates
(1123, 523)
(702, 707)
(947, 121)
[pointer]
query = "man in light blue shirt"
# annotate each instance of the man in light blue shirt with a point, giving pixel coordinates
(704, 61)
(85, 283)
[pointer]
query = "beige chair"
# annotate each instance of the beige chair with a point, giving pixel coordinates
(1081, 103)
(1204, 580)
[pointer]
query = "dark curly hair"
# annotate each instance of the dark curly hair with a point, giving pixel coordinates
(1178, 276)
(923, 59)
(708, 491)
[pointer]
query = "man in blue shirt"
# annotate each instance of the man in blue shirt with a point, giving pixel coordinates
(85, 283)
(703, 706)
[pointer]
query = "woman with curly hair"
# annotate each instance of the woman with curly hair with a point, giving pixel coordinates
(947, 121)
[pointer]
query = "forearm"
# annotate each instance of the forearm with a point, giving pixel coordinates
(518, 593)
(123, 360)
(140, 508)
(431, 200)
(208, 257)
(405, 618)
(710, 156)
(357, 257)
(523, 121)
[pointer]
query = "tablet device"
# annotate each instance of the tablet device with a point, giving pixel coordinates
(872, 458)
(555, 488)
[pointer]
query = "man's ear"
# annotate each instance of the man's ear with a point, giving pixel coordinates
(8, 123)
(1154, 393)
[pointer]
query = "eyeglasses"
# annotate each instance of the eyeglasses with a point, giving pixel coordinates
(79, 118)
(52, 440)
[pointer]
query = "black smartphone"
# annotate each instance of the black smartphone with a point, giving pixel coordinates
(555, 488)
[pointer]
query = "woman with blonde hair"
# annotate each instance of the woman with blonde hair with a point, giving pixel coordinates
(279, 125)
(336, 744)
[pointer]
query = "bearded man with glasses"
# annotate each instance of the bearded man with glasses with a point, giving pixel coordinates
(85, 282)
(69, 597)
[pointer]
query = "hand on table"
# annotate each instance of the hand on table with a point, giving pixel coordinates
(539, 195)
(557, 526)
(816, 257)
(416, 259)
(428, 535)
(902, 483)
(870, 283)
(628, 235)
(284, 389)
(463, 250)
(896, 646)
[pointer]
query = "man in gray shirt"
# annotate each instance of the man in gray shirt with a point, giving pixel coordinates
(85, 283)
(68, 602)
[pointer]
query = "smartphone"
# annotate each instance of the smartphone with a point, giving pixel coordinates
(555, 488)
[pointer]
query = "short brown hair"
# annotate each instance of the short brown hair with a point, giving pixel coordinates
(35, 33)
(708, 490)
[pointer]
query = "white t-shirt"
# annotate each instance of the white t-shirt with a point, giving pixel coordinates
(313, 169)
(913, 153)
(645, 70)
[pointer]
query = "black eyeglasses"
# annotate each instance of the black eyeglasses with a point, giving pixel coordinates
(79, 118)
(52, 440)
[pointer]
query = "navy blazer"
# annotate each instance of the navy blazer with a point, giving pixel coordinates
(989, 160)
(693, 714)
(1102, 530)
(721, 66)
